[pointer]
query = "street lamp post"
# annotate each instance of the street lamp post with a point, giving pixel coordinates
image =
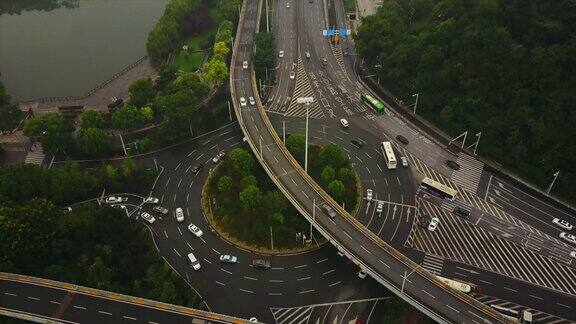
(552, 184)
(379, 66)
(475, 144)
(416, 103)
(307, 101)
(284, 131)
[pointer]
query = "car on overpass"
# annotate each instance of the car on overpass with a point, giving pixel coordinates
(562, 223)
(568, 237)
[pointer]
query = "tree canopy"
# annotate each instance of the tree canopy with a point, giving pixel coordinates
(501, 67)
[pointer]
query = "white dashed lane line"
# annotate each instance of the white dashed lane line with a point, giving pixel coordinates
(129, 318)
(33, 298)
(220, 283)
(274, 294)
(276, 280)
(328, 272)
(79, 307)
(334, 283)
(302, 279)
(307, 291)
(247, 291)
(300, 266)
(322, 260)
(54, 302)
(250, 278)
(105, 313)
(10, 294)
(216, 251)
(207, 261)
(228, 272)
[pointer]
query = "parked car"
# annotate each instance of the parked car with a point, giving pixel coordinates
(573, 254)
(147, 217)
(425, 221)
(114, 200)
(281, 54)
(292, 75)
(404, 161)
(362, 274)
(461, 212)
(195, 230)
(243, 102)
(568, 237)
(562, 223)
(252, 101)
(452, 165)
(262, 264)
(344, 123)
(179, 213)
(227, 258)
(245, 65)
(369, 194)
(151, 200)
(218, 157)
(307, 54)
(328, 210)
(196, 168)
(160, 210)
(288, 5)
(357, 142)
(402, 139)
(434, 221)
(380, 207)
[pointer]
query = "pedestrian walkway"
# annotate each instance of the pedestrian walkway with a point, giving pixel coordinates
(538, 316)
(468, 176)
(292, 315)
(36, 154)
(303, 89)
(489, 249)
(433, 264)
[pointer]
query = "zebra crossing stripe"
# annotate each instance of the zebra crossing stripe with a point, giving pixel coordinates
(337, 50)
(538, 316)
(468, 176)
(303, 89)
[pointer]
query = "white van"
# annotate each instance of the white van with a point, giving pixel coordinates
(193, 262)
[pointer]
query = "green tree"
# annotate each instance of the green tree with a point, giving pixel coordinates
(128, 167)
(332, 154)
(192, 84)
(336, 190)
(249, 180)
(295, 144)
(250, 198)
(215, 71)
(265, 55)
(99, 275)
(92, 141)
(345, 175)
(146, 114)
(242, 161)
(4, 97)
(228, 9)
(125, 118)
(224, 183)
(141, 92)
(328, 174)
(221, 50)
(92, 119)
(54, 131)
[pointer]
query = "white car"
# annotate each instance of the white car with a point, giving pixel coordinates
(307, 54)
(179, 215)
(252, 101)
(369, 194)
(227, 258)
(115, 200)
(195, 230)
(245, 65)
(151, 200)
(568, 237)
(218, 157)
(434, 221)
(404, 161)
(562, 223)
(281, 54)
(287, 4)
(344, 123)
(242, 102)
(147, 217)
(193, 261)
(361, 274)
(292, 75)
(573, 254)
(380, 207)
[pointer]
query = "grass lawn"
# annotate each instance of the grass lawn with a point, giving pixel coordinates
(350, 5)
(188, 63)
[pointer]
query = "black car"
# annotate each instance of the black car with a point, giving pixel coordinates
(461, 212)
(328, 210)
(452, 165)
(425, 221)
(402, 139)
(197, 168)
(262, 264)
(356, 142)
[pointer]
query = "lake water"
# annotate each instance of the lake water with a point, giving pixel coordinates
(68, 51)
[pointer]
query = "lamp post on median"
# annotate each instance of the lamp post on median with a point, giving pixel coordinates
(307, 101)
(379, 66)
(552, 184)
(416, 103)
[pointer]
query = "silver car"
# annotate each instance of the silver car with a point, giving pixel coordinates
(147, 217)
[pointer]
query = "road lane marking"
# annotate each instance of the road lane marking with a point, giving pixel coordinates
(178, 166)
(179, 231)
(540, 298)
(274, 294)
(329, 271)
(220, 283)
(398, 181)
(307, 291)
(563, 305)
(129, 317)
(454, 309)
(514, 290)
(216, 251)
(209, 262)
(33, 298)
(247, 291)
(321, 260)
(276, 280)
(79, 307)
(484, 281)
(190, 246)
(384, 264)
(228, 272)
(180, 255)
(365, 249)
(54, 302)
(250, 278)
(10, 294)
(190, 153)
(427, 293)
(302, 279)
(305, 194)
(347, 234)
(105, 313)
(201, 155)
(180, 182)
(277, 268)
(300, 266)
(334, 284)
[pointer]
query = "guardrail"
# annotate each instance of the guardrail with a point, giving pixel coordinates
(343, 213)
(116, 297)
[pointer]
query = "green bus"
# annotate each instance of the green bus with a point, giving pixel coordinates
(373, 103)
